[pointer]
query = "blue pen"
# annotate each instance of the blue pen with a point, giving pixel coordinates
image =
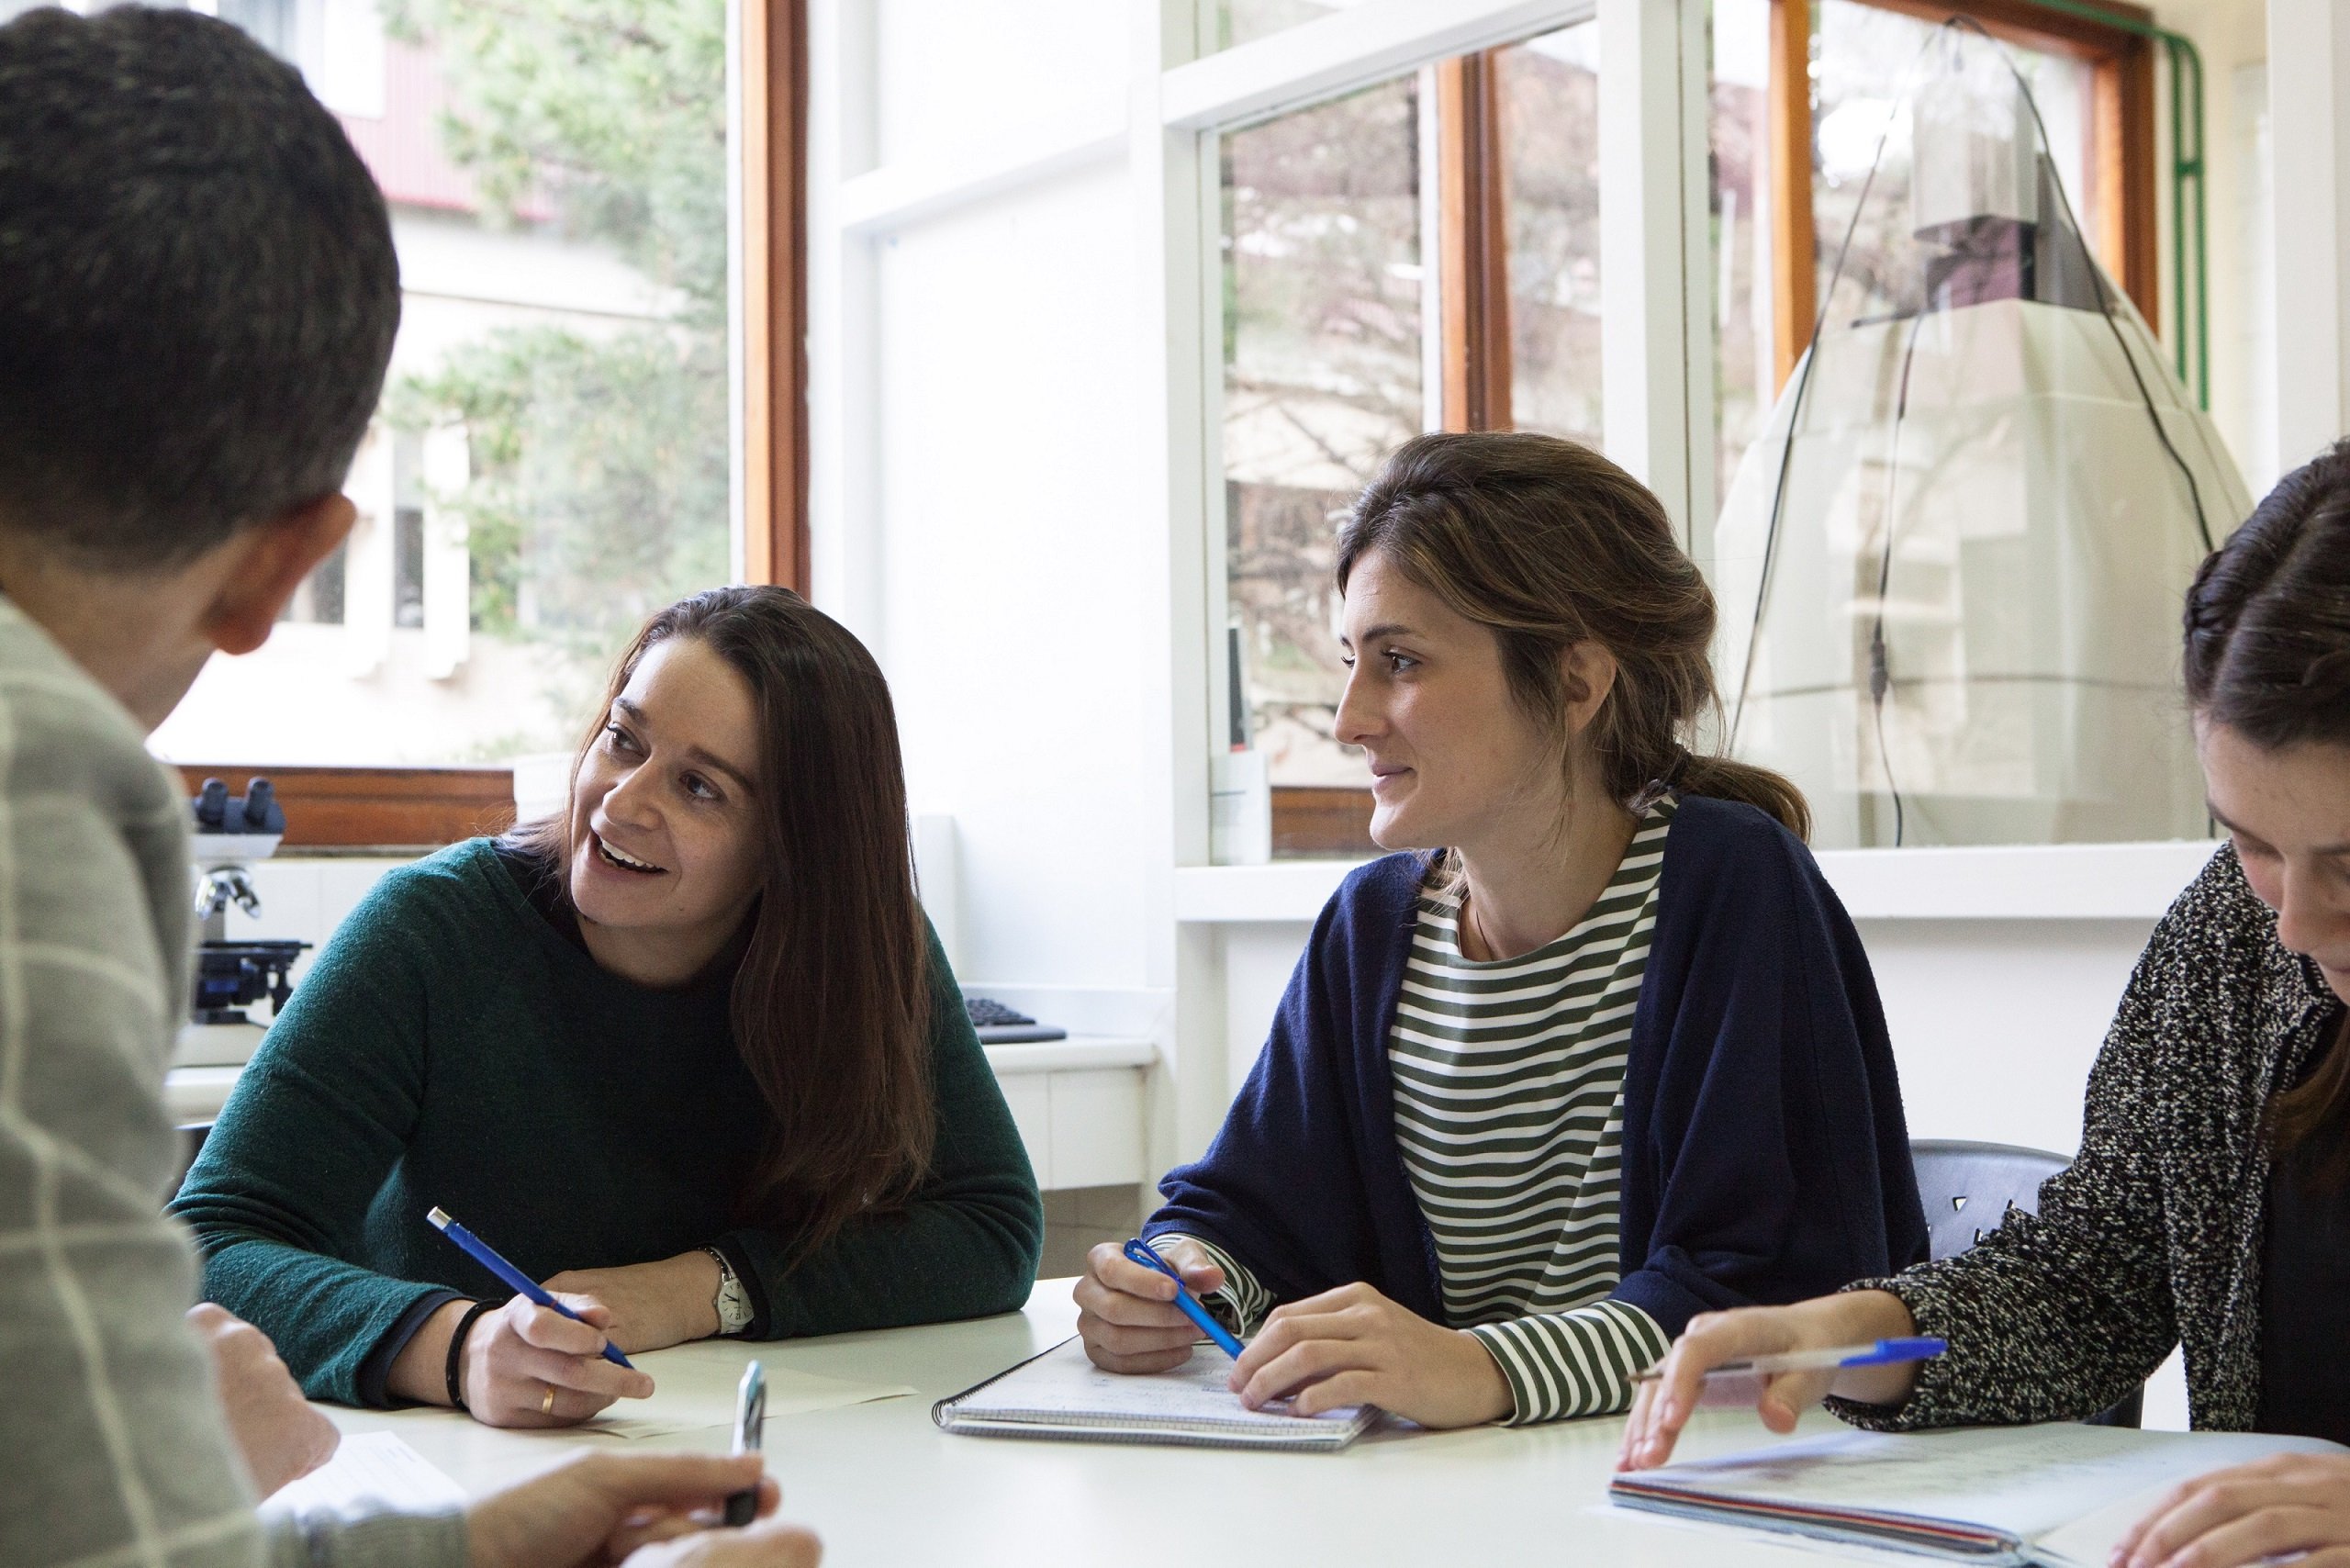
(520, 1282)
(1144, 1253)
(1884, 1352)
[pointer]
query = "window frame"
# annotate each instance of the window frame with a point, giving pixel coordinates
(412, 807)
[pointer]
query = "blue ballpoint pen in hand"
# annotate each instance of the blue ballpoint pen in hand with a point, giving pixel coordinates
(1147, 1256)
(1741, 1382)
(519, 1282)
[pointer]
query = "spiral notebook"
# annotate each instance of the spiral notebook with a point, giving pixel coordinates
(2057, 1495)
(1061, 1395)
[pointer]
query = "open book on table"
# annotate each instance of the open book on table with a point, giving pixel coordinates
(2059, 1495)
(1061, 1395)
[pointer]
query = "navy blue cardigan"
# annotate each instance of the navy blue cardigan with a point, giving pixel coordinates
(1765, 1158)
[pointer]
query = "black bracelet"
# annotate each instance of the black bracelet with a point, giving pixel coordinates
(457, 1350)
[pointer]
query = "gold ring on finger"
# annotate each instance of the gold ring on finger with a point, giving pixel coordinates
(546, 1406)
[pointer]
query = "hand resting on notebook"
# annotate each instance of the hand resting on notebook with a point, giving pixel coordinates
(1348, 1346)
(1353, 1346)
(2285, 1504)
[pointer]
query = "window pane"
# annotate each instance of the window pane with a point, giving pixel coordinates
(1738, 198)
(1550, 95)
(1323, 350)
(1863, 56)
(1243, 21)
(549, 459)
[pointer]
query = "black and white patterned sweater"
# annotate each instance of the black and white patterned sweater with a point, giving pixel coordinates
(2152, 1238)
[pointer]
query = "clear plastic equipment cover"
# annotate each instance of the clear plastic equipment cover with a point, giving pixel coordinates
(1950, 570)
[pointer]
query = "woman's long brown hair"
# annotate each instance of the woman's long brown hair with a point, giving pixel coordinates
(832, 1001)
(1546, 543)
(2267, 654)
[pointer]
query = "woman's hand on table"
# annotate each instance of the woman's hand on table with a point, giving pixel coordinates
(653, 1306)
(2275, 1508)
(280, 1435)
(1663, 1405)
(646, 1510)
(1353, 1346)
(1127, 1313)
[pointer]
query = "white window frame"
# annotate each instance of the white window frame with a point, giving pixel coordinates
(1656, 339)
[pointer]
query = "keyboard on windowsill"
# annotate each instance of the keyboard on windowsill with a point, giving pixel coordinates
(1000, 1025)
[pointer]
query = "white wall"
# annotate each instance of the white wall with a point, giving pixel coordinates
(1008, 649)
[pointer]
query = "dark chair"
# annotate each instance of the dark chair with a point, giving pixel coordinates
(1969, 1188)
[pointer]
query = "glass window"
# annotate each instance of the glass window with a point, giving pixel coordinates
(1245, 21)
(1863, 56)
(1549, 143)
(1323, 284)
(549, 459)
(1738, 183)
(1861, 53)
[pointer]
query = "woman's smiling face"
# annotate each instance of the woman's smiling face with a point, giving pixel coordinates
(665, 809)
(2288, 813)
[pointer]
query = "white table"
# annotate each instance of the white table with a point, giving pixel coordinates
(885, 1487)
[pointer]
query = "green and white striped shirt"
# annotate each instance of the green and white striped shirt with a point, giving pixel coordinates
(1509, 1111)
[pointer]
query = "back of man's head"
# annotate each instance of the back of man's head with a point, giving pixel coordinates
(197, 288)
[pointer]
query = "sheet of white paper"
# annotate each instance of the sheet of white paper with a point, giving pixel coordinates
(370, 1473)
(2026, 1481)
(1062, 1381)
(694, 1386)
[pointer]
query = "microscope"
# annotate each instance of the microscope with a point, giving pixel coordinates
(232, 831)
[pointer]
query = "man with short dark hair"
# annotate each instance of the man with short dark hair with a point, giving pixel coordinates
(197, 299)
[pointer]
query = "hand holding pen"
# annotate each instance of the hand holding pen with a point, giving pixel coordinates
(1777, 1360)
(538, 1359)
(1132, 1313)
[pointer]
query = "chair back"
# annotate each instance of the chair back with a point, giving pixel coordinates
(1969, 1188)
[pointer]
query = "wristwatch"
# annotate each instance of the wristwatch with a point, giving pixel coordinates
(733, 1303)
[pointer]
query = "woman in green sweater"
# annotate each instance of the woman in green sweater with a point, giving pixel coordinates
(687, 1052)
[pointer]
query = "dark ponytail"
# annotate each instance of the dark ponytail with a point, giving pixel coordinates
(2268, 656)
(1547, 543)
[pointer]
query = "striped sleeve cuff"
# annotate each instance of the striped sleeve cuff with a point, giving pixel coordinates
(1243, 1303)
(1573, 1364)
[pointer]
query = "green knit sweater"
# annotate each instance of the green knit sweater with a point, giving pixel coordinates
(454, 1046)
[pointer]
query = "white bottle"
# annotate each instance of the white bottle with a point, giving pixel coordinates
(1241, 809)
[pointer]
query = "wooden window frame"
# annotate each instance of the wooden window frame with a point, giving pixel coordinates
(408, 809)
(1473, 260)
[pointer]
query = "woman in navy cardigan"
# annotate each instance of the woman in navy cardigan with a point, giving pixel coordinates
(1611, 1058)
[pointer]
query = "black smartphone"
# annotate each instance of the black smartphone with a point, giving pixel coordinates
(750, 1428)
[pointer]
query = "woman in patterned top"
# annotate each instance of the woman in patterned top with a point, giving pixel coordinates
(1609, 1058)
(2210, 1207)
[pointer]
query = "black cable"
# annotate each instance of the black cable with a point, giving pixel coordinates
(1880, 670)
(2104, 299)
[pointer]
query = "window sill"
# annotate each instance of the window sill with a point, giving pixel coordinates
(2059, 881)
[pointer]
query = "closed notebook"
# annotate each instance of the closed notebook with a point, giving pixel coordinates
(1061, 1395)
(2059, 1495)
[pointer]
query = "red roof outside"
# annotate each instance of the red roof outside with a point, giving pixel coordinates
(403, 150)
